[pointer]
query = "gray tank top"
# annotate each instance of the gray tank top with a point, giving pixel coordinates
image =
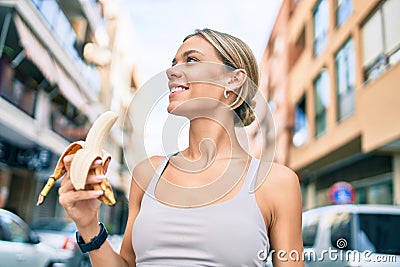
(228, 233)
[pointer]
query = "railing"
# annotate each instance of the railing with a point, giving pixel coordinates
(64, 33)
(67, 128)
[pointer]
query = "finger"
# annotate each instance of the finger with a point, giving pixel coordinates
(69, 198)
(96, 163)
(65, 179)
(67, 161)
(66, 186)
(95, 179)
(106, 164)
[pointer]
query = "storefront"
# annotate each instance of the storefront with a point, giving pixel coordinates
(42, 110)
(371, 176)
(23, 167)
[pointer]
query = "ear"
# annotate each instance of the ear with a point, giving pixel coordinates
(237, 79)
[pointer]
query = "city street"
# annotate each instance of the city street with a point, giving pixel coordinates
(327, 108)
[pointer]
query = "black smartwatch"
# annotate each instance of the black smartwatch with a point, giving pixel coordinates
(95, 242)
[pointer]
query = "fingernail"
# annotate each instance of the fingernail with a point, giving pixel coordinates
(97, 162)
(100, 177)
(98, 193)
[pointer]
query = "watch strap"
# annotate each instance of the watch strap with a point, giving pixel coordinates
(95, 242)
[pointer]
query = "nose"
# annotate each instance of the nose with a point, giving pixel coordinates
(174, 72)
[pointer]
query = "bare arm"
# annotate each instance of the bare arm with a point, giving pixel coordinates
(135, 198)
(104, 256)
(82, 206)
(141, 178)
(282, 195)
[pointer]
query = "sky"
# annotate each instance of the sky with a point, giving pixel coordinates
(159, 26)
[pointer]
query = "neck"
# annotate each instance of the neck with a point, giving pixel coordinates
(212, 139)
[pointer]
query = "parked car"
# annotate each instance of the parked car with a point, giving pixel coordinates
(59, 233)
(21, 247)
(115, 241)
(352, 235)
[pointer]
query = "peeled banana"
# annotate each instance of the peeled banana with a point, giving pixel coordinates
(85, 153)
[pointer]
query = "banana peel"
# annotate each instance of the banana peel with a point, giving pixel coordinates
(85, 153)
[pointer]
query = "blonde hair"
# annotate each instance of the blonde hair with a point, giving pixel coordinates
(237, 55)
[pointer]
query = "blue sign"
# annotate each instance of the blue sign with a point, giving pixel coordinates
(342, 193)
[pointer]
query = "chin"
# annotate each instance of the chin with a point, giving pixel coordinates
(170, 109)
(193, 109)
(178, 110)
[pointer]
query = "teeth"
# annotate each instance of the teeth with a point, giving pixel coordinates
(176, 89)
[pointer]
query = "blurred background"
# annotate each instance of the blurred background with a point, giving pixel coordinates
(330, 71)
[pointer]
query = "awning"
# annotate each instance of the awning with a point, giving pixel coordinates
(34, 50)
(69, 89)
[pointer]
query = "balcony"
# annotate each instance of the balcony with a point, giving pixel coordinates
(66, 127)
(89, 10)
(62, 30)
(378, 108)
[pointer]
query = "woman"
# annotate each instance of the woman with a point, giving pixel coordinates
(211, 204)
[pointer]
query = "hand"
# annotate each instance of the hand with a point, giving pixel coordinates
(81, 205)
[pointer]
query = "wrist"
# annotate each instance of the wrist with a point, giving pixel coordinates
(87, 245)
(89, 230)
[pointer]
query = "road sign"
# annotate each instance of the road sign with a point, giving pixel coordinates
(342, 193)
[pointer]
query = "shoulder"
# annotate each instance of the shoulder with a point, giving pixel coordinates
(274, 175)
(281, 176)
(278, 187)
(147, 166)
(141, 177)
(145, 169)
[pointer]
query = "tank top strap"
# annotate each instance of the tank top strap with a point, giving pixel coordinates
(248, 185)
(152, 185)
(251, 175)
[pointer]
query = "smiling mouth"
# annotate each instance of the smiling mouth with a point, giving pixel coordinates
(177, 90)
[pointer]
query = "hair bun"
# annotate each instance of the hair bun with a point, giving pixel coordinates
(245, 113)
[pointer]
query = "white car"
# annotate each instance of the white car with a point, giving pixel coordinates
(352, 235)
(21, 247)
(59, 233)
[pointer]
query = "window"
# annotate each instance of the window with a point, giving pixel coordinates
(381, 39)
(345, 79)
(301, 131)
(377, 233)
(321, 25)
(16, 232)
(309, 230)
(2, 236)
(67, 120)
(36, 2)
(59, 24)
(380, 192)
(344, 9)
(17, 88)
(341, 231)
(321, 95)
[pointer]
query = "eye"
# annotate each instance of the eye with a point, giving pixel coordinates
(191, 59)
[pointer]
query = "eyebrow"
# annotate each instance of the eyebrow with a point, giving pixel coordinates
(186, 53)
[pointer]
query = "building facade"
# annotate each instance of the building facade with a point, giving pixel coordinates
(338, 96)
(50, 94)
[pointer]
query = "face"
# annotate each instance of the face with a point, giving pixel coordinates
(197, 79)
